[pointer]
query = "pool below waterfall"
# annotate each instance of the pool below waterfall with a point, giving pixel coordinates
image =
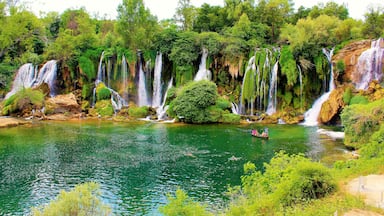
(138, 164)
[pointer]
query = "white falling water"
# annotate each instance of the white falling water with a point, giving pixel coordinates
(312, 114)
(370, 65)
(100, 70)
(28, 77)
(301, 86)
(24, 78)
(235, 108)
(124, 77)
(162, 110)
(251, 66)
(142, 90)
(272, 104)
(48, 74)
(157, 88)
(203, 73)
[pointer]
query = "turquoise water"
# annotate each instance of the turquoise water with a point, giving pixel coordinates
(137, 164)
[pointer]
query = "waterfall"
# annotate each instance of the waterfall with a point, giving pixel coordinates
(235, 109)
(203, 73)
(142, 90)
(251, 66)
(24, 78)
(313, 113)
(124, 77)
(157, 88)
(28, 77)
(100, 71)
(301, 86)
(48, 74)
(161, 110)
(272, 99)
(370, 65)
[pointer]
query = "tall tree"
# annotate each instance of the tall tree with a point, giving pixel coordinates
(185, 14)
(136, 24)
(374, 22)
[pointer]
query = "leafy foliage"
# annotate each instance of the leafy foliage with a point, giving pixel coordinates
(182, 205)
(102, 92)
(81, 200)
(24, 99)
(104, 108)
(361, 121)
(138, 112)
(288, 66)
(358, 99)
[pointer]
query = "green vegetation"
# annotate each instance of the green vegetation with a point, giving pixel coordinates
(81, 200)
(102, 92)
(104, 108)
(138, 112)
(25, 99)
(358, 99)
(361, 121)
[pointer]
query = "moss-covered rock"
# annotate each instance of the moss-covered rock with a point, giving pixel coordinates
(23, 102)
(102, 92)
(138, 112)
(104, 108)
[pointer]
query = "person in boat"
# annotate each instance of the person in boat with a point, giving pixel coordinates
(255, 132)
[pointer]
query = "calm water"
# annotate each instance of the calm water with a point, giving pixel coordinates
(137, 164)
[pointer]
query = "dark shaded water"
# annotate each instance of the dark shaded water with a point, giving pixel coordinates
(137, 164)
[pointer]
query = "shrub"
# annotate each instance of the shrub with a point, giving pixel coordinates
(104, 108)
(193, 102)
(340, 67)
(87, 67)
(358, 99)
(24, 99)
(81, 200)
(375, 148)
(347, 96)
(102, 92)
(230, 118)
(181, 205)
(138, 112)
(223, 103)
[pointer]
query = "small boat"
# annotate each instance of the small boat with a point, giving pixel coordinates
(263, 135)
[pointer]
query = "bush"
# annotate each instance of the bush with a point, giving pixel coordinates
(287, 180)
(24, 99)
(223, 103)
(138, 112)
(358, 99)
(82, 200)
(230, 118)
(102, 92)
(375, 148)
(104, 108)
(193, 102)
(181, 205)
(361, 121)
(347, 96)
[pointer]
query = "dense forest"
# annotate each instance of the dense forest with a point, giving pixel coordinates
(269, 30)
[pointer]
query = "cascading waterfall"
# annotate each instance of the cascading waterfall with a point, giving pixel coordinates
(203, 73)
(301, 86)
(251, 66)
(161, 110)
(24, 78)
(124, 77)
(28, 77)
(313, 113)
(142, 90)
(370, 65)
(116, 100)
(273, 90)
(157, 88)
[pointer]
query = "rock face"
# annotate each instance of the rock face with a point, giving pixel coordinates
(331, 108)
(350, 55)
(12, 122)
(62, 104)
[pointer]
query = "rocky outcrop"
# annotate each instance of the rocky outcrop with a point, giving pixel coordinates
(62, 104)
(330, 110)
(350, 55)
(12, 122)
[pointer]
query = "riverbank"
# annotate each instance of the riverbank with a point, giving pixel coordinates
(12, 122)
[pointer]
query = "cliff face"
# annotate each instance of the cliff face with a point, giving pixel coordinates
(350, 55)
(330, 110)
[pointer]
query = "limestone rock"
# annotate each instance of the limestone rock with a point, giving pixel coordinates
(63, 104)
(12, 122)
(350, 55)
(331, 108)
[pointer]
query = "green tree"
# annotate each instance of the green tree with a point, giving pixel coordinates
(185, 14)
(330, 9)
(210, 19)
(374, 22)
(136, 24)
(288, 66)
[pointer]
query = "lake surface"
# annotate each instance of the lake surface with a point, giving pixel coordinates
(138, 164)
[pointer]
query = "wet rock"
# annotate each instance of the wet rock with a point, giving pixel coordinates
(63, 104)
(330, 110)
